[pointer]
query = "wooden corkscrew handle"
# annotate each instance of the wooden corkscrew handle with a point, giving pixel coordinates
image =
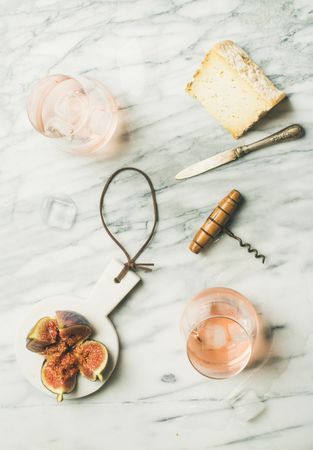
(216, 221)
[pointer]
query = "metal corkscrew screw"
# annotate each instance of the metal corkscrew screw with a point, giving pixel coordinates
(216, 223)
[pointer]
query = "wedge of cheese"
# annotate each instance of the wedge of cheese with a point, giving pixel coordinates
(233, 89)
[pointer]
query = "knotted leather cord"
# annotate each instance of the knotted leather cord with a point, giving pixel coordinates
(131, 263)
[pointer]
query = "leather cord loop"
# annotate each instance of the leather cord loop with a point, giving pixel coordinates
(131, 263)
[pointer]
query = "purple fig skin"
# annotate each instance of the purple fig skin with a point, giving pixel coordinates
(71, 323)
(36, 346)
(43, 334)
(67, 319)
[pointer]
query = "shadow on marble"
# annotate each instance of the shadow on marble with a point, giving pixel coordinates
(266, 362)
(279, 113)
(247, 398)
(119, 141)
(263, 344)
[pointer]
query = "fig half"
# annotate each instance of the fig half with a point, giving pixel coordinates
(92, 359)
(59, 374)
(43, 334)
(73, 327)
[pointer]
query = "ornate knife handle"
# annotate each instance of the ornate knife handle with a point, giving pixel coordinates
(292, 132)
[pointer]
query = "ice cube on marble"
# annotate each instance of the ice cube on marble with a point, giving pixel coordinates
(59, 212)
(247, 405)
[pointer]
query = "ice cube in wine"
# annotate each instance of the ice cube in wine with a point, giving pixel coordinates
(220, 326)
(219, 347)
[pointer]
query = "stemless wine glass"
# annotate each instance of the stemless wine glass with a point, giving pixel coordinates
(220, 326)
(79, 112)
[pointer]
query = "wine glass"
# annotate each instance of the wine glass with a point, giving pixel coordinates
(78, 112)
(220, 326)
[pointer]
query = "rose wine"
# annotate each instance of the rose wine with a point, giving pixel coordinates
(219, 347)
(80, 112)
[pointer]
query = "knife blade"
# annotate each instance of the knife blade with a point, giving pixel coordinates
(207, 164)
(294, 131)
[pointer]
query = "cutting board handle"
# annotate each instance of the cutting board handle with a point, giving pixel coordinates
(107, 294)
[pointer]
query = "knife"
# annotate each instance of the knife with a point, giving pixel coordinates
(292, 132)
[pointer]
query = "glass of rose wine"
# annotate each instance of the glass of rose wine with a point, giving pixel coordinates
(220, 326)
(78, 112)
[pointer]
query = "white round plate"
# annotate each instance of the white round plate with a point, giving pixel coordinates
(104, 332)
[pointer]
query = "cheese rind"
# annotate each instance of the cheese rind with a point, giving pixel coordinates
(233, 88)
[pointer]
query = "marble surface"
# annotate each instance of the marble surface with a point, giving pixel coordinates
(145, 51)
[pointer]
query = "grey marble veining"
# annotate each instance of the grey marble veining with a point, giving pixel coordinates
(145, 51)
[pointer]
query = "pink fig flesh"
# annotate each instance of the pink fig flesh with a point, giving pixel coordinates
(57, 349)
(92, 359)
(59, 374)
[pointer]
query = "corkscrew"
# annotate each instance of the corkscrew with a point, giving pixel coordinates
(215, 224)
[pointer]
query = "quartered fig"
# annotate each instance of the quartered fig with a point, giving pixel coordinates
(59, 374)
(43, 334)
(73, 327)
(63, 342)
(92, 359)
